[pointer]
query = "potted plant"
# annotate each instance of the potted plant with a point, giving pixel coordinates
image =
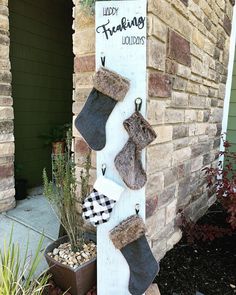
(20, 183)
(72, 258)
(57, 138)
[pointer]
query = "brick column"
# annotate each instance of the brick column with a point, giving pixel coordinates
(188, 44)
(84, 67)
(7, 191)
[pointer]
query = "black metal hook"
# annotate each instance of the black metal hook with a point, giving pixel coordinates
(137, 206)
(104, 168)
(103, 60)
(138, 104)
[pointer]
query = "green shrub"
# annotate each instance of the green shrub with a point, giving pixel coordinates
(18, 276)
(62, 193)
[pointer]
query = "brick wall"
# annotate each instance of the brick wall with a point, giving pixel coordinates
(7, 190)
(188, 43)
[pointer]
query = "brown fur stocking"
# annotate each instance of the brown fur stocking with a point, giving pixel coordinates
(129, 165)
(128, 161)
(139, 130)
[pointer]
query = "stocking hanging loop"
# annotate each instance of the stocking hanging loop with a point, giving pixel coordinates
(104, 168)
(137, 206)
(138, 104)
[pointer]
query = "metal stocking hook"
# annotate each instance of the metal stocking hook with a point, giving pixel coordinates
(103, 60)
(138, 104)
(137, 207)
(104, 168)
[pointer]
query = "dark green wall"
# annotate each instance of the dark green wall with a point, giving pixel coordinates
(231, 133)
(42, 65)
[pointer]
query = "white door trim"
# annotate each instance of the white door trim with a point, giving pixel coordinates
(229, 78)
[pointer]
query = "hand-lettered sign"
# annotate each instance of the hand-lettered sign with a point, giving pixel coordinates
(125, 25)
(121, 47)
(116, 22)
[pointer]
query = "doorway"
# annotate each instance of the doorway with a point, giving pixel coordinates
(42, 66)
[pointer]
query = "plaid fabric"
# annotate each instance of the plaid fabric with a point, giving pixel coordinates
(97, 208)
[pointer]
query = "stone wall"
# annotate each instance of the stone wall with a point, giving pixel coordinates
(7, 190)
(188, 43)
(84, 67)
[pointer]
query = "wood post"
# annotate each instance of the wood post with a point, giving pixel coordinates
(121, 44)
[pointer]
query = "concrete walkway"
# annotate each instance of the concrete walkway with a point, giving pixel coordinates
(31, 218)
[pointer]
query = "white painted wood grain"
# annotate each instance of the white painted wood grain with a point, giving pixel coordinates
(130, 61)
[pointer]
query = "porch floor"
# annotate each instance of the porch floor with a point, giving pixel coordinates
(31, 218)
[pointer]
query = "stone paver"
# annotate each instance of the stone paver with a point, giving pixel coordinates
(36, 213)
(29, 219)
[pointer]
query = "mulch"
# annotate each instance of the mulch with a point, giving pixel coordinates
(52, 289)
(206, 267)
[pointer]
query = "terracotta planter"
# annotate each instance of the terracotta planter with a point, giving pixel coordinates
(77, 281)
(58, 147)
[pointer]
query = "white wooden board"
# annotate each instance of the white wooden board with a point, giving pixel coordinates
(121, 39)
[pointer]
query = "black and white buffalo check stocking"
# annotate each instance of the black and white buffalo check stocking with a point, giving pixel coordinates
(98, 206)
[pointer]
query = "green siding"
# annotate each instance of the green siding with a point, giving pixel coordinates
(231, 132)
(42, 65)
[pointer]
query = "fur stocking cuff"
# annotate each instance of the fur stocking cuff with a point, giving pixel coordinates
(111, 84)
(127, 231)
(139, 130)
